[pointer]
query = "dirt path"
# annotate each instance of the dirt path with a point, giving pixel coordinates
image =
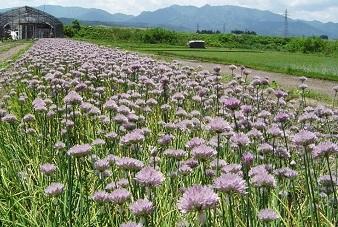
(286, 81)
(7, 55)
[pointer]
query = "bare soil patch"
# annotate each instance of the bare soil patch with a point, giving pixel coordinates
(6, 55)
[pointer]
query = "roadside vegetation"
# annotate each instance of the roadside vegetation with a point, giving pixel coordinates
(172, 38)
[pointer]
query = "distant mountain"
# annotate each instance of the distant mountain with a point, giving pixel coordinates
(84, 13)
(3, 10)
(188, 18)
(228, 18)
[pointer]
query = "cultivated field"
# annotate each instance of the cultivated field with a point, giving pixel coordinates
(313, 66)
(297, 56)
(93, 136)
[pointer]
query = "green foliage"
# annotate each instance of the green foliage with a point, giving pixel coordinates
(242, 41)
(76, 25)
(69, 31)
(313, 45)
(159, 35)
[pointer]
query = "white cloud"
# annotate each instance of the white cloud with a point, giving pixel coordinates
(324, 10)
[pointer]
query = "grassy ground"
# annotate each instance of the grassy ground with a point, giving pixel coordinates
(9, 45)
(309, 65)
(290, 63)
(5, 46)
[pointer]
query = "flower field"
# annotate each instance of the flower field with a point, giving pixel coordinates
(92, 136)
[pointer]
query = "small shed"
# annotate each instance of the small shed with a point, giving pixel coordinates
(196, 44)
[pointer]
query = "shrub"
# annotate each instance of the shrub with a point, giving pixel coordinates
(159, 35)
(69, 31)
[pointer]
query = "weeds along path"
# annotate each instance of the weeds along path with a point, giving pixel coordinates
(7, 55)
(288, 82)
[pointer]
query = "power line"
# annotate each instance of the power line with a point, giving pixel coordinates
(286, 24)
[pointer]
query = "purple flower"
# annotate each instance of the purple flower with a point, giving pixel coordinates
(141, 207)
(325, 149)
(48, 168)
(122, 183)
(335, 89)
(260, 169)
(100, 196)
(231, 168)
(232, 103)
(131, 224)
(194, 142)
(59, 145)
(247, 159)
(218, 125)
(129, 163)
(79, 150)
(286, 172)
(246, 109)
(302, 79)
(110, 105)
(203, 152)
(240, 139)
(263, 180)
(303, 86)
(97, 142)
(267, 215)
(282, 117)
(185, 169)
(119, 196)
(9, 118)
(54, 189)
(73, 98)
(39, 105)
(28, 118)
(221, 163)
(275, 131)
(149, 177)
(111, 135)
(304, 138)
(176, 154)
(230, 183)
(265, 148)
(197, 198)
(101, 165)
(133, 137)
(280, 94)
(165, 139)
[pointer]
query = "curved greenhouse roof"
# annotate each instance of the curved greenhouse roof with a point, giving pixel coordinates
(30, 23)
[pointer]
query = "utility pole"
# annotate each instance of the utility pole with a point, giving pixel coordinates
(286, 24)
(224, 28)
(197, 28)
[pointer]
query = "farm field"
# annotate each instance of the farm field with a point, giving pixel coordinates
(95, 136)
(299, 64)
(250, 51)
(291, 63)
(287, 80)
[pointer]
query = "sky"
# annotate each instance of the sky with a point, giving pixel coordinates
(322, 10)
